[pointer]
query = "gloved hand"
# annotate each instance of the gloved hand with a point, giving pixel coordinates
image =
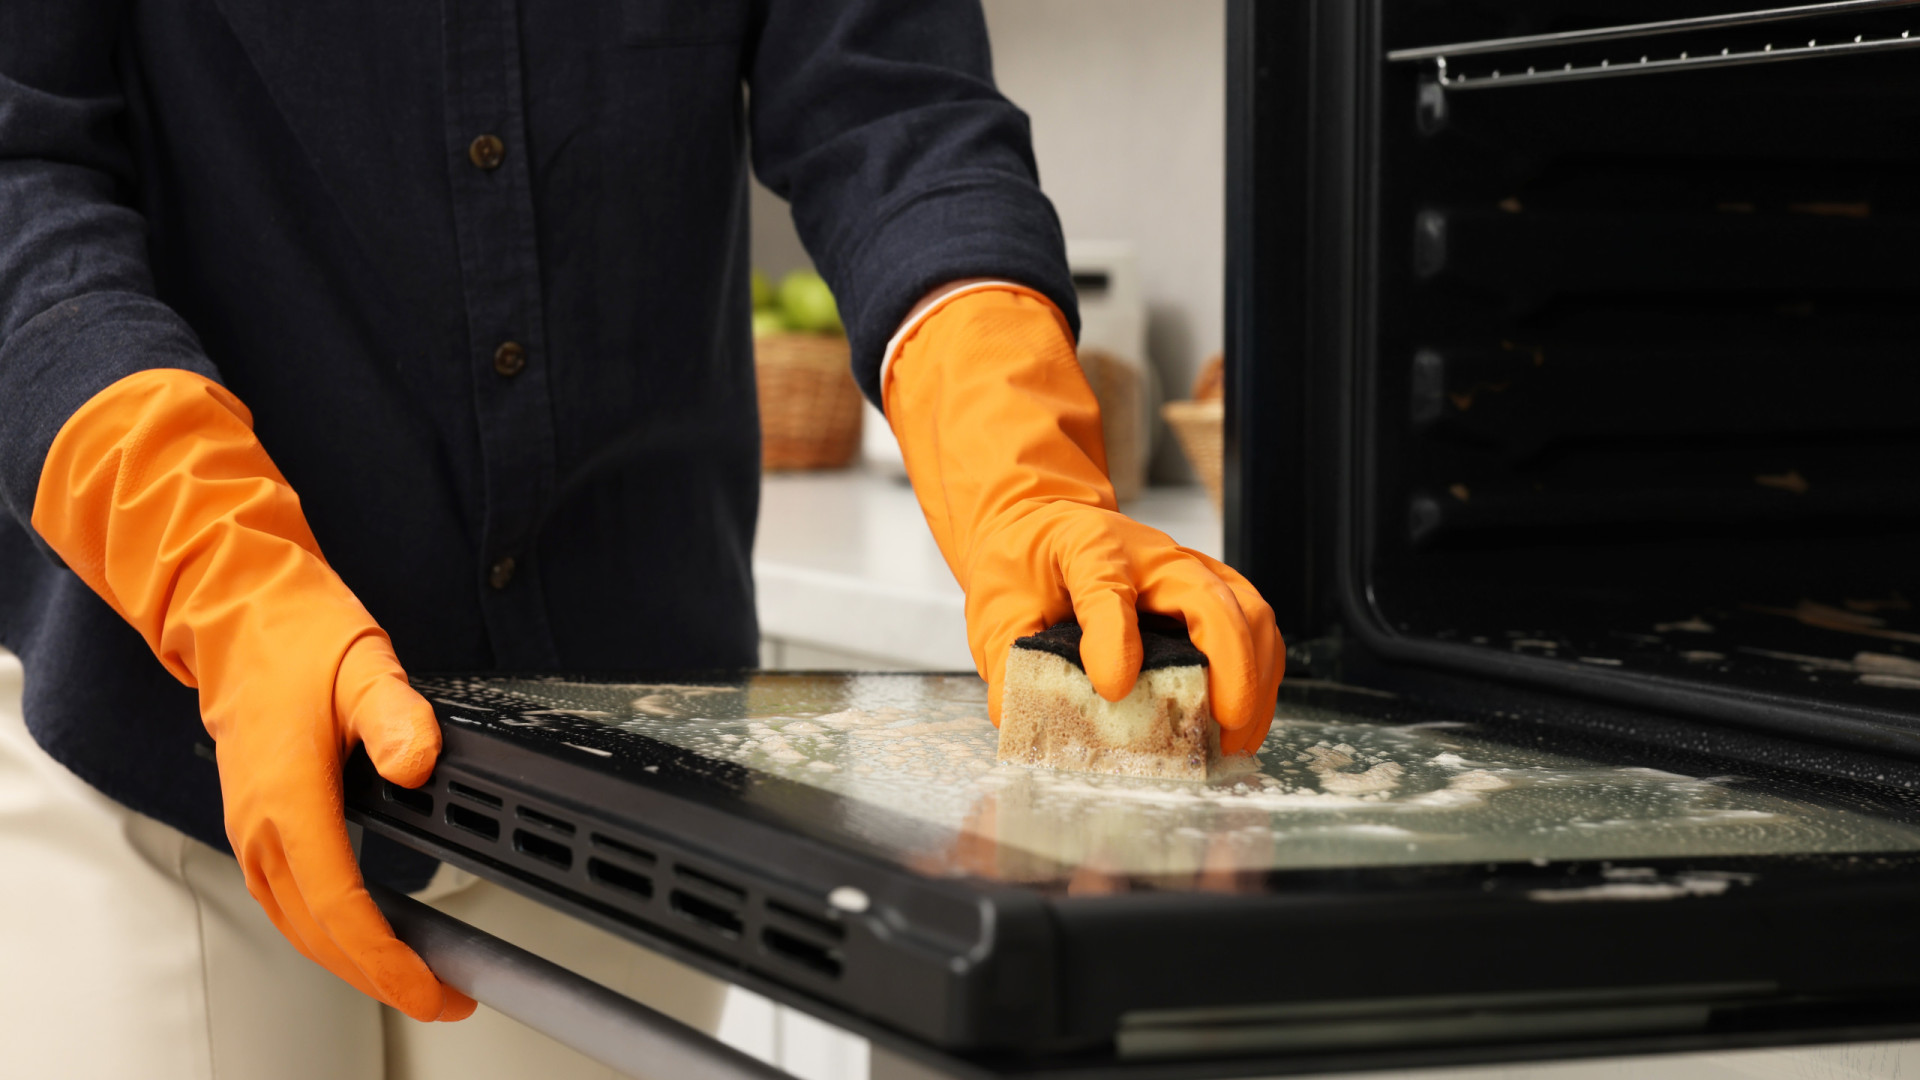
(158, 495)
(1001, 436)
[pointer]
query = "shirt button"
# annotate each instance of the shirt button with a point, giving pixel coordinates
(509, 359)
(486, 152)
(500, 573)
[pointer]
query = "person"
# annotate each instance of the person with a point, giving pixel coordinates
(334, 337)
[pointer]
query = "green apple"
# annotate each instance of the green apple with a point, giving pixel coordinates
(769, 321)
(808, 302)
(762, 292)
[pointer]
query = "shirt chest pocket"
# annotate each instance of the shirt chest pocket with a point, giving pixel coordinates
(683, 22)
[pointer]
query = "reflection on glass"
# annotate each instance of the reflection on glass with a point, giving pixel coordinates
(912, 758)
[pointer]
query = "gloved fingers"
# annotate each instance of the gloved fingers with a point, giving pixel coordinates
(1185, 587)
(1110, 649)
(1245, 740)
(993, 661)
(997, 617)
(297, 923)
(376, 707)
(1269, 647)
(305, 877)
(328, 880)
(271, 884)
(400, 732)
(1268, 643)
(1094, 566)
(1107, 609)
(455, 1006)
(995, 682)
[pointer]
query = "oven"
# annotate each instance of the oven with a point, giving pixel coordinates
(1572, 432)
(1573, 349)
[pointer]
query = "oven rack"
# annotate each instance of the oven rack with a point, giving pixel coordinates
(1648, 63)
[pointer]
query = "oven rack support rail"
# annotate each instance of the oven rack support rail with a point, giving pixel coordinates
(1648, 63)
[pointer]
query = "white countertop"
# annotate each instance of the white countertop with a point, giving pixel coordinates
(844, 561)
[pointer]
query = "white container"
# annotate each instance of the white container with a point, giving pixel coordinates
(1113, 320)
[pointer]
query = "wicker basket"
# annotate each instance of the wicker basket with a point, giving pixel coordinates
(1116, 385)
(809, 406)
(1198, 426)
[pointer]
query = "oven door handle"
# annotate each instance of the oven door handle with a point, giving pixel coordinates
(612, 1029)
(1646, 64)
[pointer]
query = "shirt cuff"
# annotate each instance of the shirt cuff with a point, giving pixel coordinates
(58, 360)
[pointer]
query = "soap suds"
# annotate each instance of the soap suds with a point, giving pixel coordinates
(1382, 777)
(912, 758)
(1644, 886)
(1479, 780)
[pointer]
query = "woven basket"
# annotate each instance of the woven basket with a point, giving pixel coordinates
(1198, 426)
(809, 406)
(1116, 385)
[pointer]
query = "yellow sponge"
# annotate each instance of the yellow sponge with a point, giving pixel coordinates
(1051, 716)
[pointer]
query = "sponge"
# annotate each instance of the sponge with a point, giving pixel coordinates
(1050, 715)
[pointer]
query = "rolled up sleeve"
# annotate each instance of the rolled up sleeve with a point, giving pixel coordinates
(905, 167)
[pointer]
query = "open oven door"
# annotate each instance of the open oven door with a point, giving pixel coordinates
(1392, 882)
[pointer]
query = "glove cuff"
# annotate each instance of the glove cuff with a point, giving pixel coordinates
(919, 319)
(159, 496)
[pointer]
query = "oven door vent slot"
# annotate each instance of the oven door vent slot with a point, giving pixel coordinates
(619, 879)
(620, 847)
(473, 794)
(547, 850)
(724, 888)
(544, 820)
(484, 826)
(818, 924)
(721, 920)
(810, 955)
(417, 801)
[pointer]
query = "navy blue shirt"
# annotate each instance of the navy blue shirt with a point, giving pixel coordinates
(479, 268)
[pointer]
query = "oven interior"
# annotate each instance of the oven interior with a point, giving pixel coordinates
(1642, 392)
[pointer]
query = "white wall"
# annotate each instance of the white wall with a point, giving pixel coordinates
(1128, 101)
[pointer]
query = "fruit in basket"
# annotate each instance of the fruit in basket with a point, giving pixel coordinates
(762, 295)
(808, 304)
(769, 321)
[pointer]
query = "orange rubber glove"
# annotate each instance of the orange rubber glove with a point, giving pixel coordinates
(158, 495)
(1001, 436)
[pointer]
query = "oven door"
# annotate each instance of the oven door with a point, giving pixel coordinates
(1389, 883)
